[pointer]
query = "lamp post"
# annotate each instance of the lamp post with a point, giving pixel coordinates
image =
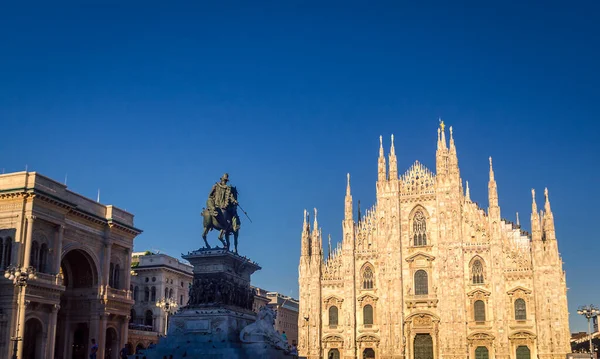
(19, 277)
(169, 306)
(589, 311)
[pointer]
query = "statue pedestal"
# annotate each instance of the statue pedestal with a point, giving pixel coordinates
(220, 306)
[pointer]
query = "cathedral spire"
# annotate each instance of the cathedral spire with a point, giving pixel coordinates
(382, 175)
(329, 246)
(549, 233)
(536, 233)
(393, 163)
(317, 241)
(494, 209)
(443, 132)
(348, 201)
(452, 147)
(468, 193)
(518, 224)
(305, 247)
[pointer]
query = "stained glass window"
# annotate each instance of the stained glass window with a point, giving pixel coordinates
(520, 309)
(477, 272)
(333, 315)
(367, 278)
(367, 314)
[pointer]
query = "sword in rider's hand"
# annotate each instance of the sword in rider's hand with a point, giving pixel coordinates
(240, 207)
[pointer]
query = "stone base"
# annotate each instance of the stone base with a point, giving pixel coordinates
(210, 333)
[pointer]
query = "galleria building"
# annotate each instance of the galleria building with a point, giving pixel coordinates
(427, 274)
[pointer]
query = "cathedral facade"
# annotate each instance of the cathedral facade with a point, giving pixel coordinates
(427, 274)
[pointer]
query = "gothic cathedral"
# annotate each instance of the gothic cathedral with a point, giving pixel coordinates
(427, 274)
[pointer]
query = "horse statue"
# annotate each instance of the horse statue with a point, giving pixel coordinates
(224, 219)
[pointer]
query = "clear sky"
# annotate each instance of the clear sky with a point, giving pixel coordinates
(151, 102)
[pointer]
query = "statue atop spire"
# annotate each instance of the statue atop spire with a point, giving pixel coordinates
(468, 193)
(442, 126)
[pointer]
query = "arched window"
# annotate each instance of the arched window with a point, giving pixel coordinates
(520, 309)
(523, 352)
(171, 293)
(333, 315)
(367, 278)
(34, 255)
(153, 294)
(148, 318)
(181, 299)
(477, 272)
(333, 354)
(482, 353)
(479, 310)
(117, 277)
(43, 261)
(368, 315)
(135, 293)
(7, 251)
(419, 229)
(421, 286)
(111, 275)
(369, 353)
(132, 316)
(166, 293)
(146, 294)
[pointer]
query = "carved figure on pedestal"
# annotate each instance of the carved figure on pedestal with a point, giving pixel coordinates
(263, 330)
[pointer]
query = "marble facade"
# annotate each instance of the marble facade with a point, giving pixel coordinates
(426, 273)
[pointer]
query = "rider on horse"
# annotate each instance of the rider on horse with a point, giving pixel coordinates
(221, 206)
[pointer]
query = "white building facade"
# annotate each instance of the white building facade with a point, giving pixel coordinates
(428, 274)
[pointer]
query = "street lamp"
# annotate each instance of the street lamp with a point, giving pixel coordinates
(19, 277)
(169, 306)
(589, 311)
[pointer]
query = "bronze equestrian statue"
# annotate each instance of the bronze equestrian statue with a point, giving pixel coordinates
(221, 213)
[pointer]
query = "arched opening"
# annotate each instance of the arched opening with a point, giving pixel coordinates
(146, 294)
(523, 352)
(367, 278)
(520, 309)
(479, 311)
(333, 316)
(111, 349)
(423, 346)
(117, 277)
(368, 315)
(129, 347)
(477, 272)
(482, 353)
(76, 305)
(419, 229)
(7, 253)
(132, 316)
(34, 255)
(43, 261)
(171, 293)
(421, 284)
(369, 353)
(135, 293)
(166, 293)
(153, 296)
(333, 354)
(139, 348)
(148, 318)
(32, 342)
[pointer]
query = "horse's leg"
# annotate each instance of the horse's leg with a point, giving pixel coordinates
(235, 240)
(221, 238)
(227, 240)
(206, 229)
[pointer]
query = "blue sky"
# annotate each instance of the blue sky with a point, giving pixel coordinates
(151, 102)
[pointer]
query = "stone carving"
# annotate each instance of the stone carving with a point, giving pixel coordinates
(214, 291)
(263, 330)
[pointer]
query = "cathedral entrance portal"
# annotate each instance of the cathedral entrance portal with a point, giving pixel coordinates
(369, 353)
(333, 354)
(423, 346)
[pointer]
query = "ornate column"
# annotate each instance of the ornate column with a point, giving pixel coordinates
(58, 248)
(52, 331)
(106, 264)
(127, 271)
(102, 335)
(124, 332)
(28, 240)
